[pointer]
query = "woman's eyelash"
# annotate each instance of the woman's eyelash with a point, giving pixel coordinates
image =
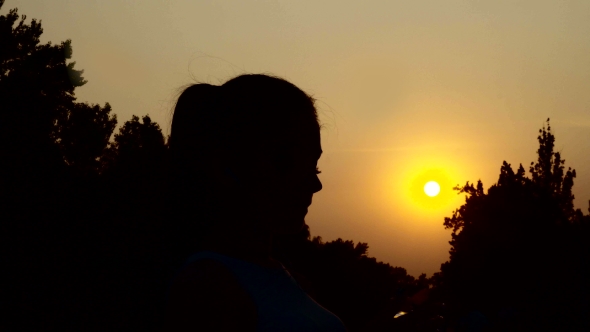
(317, 171)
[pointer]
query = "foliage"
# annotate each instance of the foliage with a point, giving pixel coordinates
(518, 247)
(40, 112)
(342, 277)
(82, 132)
(33, 77)
(49, 201)
(138, 144)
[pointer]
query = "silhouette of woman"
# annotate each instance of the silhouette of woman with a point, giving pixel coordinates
(245, 166)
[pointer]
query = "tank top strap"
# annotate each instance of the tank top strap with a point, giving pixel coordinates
(281, 303)
(254, 278)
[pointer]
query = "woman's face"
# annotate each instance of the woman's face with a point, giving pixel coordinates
(280, 183)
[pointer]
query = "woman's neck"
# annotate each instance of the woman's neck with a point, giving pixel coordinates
(249, 244)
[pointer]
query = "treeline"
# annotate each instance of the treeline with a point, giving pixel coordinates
(83, 211)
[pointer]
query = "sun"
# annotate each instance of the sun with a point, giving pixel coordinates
(431, 188)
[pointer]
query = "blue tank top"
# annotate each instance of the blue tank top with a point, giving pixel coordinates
(280, 302)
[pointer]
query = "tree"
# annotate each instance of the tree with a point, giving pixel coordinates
(135, 162)
(133, 187)
(140, 143)
(49, 143)
(82, 133)
(342, 277)
(34, 87)
(517, 248)
(39, 108)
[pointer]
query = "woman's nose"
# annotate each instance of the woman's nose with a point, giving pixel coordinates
(317, 184)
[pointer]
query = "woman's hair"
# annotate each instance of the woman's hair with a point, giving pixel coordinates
(208, 120)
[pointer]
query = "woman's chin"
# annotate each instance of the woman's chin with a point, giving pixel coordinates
(290, 225)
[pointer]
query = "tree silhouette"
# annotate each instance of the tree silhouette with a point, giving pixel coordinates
(33, 83)
(39, 107)
(135, 164)
(50, 144)
(132, 186)
(82, 133)
(340, 275)
(519, 248)
(139, 144)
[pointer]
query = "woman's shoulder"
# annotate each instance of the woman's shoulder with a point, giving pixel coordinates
(206, 294)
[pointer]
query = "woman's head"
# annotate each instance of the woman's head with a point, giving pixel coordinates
(246, 151)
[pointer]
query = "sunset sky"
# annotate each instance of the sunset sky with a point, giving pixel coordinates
(408, 91)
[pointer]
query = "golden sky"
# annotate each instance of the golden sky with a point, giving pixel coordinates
(406, 89)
